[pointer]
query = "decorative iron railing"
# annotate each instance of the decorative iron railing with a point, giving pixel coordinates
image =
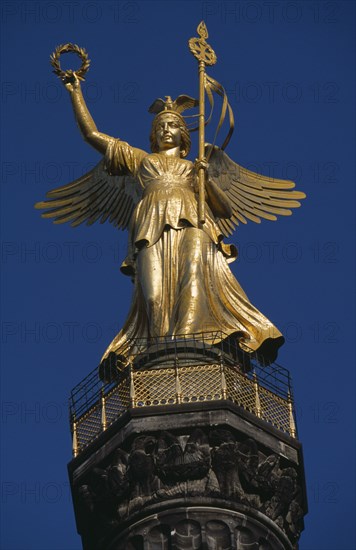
(180, 371)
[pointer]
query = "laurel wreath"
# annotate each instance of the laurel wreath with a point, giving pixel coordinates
(67, 76)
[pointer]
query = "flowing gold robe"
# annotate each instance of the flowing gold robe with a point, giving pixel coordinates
(183, 284)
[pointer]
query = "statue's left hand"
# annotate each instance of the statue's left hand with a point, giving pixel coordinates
(201, 163)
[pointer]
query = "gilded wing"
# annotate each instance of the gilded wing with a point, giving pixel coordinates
(95, 196)
(251, 195)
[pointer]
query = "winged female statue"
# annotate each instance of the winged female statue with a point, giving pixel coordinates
(183, 284)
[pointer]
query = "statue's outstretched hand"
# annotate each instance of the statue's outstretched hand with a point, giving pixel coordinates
(72, 83)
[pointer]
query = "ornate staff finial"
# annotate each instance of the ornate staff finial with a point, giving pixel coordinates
(200, 48)
(202, 30)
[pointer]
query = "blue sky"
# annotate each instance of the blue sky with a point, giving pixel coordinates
(289, 70)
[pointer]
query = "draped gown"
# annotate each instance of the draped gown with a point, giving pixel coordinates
(182, 281)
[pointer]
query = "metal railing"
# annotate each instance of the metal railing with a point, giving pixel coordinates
(211, 373)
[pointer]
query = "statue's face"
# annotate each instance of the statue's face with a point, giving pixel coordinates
(168, 133)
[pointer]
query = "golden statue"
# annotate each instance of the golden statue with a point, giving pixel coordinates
(177, 213)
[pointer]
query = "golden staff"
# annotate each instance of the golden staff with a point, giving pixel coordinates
(205, 56)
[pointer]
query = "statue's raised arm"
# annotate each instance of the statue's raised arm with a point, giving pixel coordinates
(86, 124)
(71, 80)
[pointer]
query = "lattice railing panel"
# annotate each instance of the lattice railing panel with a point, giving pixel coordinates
(201, 383)
(88, 427)
(274, 410)
(154, 387)
(117, 401)
(240, 389)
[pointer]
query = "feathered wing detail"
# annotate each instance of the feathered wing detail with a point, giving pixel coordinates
(251, 195)
(96, 196)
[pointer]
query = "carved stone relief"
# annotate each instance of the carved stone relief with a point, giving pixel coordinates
(215, 464)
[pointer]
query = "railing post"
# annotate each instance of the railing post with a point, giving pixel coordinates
(178, 386)
(223, 381)
(292, 426)
(132, 388)
(75, 440)
(103, 411)
(257, 396)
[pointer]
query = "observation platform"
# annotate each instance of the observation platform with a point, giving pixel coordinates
(175, 371)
